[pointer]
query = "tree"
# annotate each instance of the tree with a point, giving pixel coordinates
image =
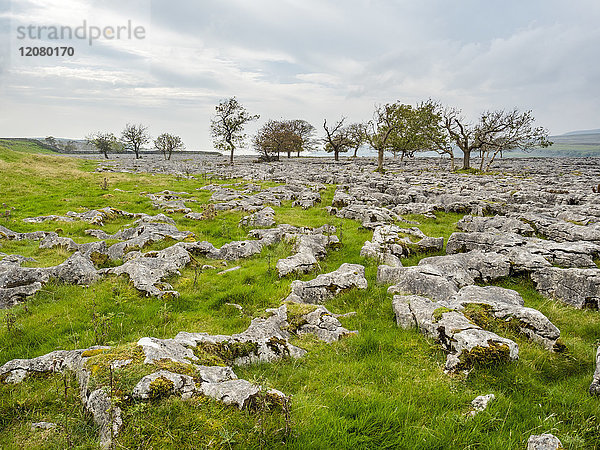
(168, 143)
(227, 126)
(276, 137)
(51, 141)
(379, 129)
(356, 134)
(433, 133)
(304, 132)
(133, 137)
(496, 131)
(104, 142)
(337, 138)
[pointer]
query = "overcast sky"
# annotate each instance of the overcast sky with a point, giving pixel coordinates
(304, 59)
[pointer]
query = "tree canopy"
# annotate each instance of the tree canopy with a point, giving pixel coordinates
(168, 143)
(134, 137)
(227, 126)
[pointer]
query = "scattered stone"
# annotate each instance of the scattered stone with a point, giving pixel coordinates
(231, 269)
(544, 441)
(42, 426)
(480, 403)
(262, 218)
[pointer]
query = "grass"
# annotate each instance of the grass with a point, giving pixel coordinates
(383, 388)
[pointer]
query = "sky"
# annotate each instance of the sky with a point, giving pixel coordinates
(294, 59)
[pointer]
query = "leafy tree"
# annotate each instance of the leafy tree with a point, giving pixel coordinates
(104, 142)
(304, 133)
(51, 141)
(276, 137)
(227, 126)
(380, 129)
(168, 143)
(134, 137)
(356, 134)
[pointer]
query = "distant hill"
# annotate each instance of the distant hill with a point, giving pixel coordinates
(582, 143)
(571, 133)
(71, 146)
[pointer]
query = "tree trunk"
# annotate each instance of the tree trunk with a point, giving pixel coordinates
(231, 156)
(298, 153)
(467, 159)
(402, 157)
(289, 154)
(355, 151)
(336, 155)
(380, 160)
(452, 162)
(106, 155)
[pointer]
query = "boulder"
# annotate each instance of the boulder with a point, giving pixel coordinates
(577, 287)
(467, 344)
(328, 285)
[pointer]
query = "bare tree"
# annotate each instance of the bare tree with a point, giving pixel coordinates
(337, 138)
(227, 126)
(134, 137)
(496, 131)
(168, 143)
(500, 131)
(104, 142)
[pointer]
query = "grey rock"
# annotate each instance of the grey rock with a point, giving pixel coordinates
(240, 393)
(544, 441)
(324, 325)
(497, 223)
(507, 305)
(262, 218)
(464, 268)
(328, 285)
(480, 403)
(577, 287)
(455, 333)
(147, 271)
(43, 425)
(422, 280)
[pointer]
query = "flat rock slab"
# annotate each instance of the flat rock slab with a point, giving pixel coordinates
(328, 285)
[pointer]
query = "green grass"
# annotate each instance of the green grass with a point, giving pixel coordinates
(383, 388)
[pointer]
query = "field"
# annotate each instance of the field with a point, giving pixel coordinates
(383, 388)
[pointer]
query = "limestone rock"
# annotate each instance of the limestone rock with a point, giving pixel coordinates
(328, 285)
(544, 441)
(577, 287)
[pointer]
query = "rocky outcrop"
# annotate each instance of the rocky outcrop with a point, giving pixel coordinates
(328, 285)
(147, 271)
(425, 280)
(566, 254)
(467, 344)
(262, 218)
(391, 242)
(577, 287)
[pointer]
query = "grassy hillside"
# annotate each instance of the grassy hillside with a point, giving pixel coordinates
(384, 388)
